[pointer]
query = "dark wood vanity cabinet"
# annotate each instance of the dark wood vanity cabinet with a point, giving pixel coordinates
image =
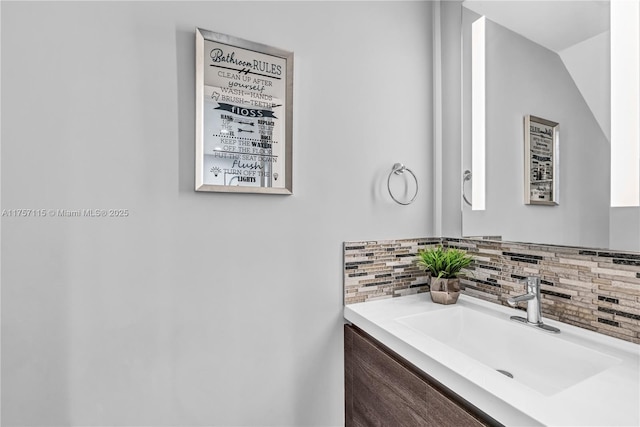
(382, 389)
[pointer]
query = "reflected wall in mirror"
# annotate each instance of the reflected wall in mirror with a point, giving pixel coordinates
(547, 59)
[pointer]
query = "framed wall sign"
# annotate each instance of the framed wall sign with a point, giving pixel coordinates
(244, 113)
(540, 161)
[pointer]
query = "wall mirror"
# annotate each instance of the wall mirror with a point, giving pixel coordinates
(243, 115)
(545, 59)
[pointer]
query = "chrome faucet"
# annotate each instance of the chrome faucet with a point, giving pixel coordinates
(534, 310)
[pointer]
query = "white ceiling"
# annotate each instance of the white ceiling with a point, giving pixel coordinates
(555, 25)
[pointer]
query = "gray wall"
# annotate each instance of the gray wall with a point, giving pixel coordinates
(197, 308)
(624, 228)
(525, 78)
(450, 18)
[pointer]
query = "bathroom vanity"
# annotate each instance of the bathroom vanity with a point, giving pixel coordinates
(409, 361)
(381, 388)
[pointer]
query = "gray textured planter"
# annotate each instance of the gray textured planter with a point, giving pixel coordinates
(445, 291)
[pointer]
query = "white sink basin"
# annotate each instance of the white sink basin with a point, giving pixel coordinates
(541, 361)
(574, 378)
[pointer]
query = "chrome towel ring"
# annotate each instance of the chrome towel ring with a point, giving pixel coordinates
(400, 169)
(466, 177)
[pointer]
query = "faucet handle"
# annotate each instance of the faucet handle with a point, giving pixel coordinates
(533, 286)
(532, 282)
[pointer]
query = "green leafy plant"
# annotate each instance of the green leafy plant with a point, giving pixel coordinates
(444, 263)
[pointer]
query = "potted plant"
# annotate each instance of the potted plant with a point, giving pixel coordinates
(445, 267)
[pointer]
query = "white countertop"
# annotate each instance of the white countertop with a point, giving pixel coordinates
(609, 398)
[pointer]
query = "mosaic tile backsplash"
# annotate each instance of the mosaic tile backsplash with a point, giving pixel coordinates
(597, 290)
